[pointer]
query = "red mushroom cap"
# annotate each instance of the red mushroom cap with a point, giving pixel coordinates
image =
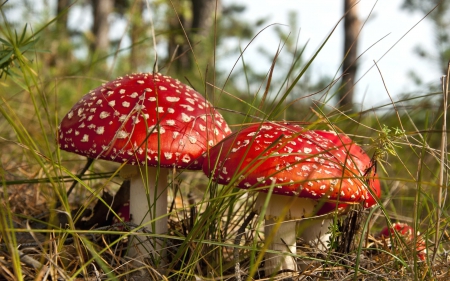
(123, 212)
(142, 118)
(401, 228)
(350, 152)
(298, 162)
(407, 232)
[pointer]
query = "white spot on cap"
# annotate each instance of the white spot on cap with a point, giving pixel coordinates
(152, 99)
(170, 110)
(139, 107)
(100, 130)
(162, 88)
(187, 107)
(172, 99)
(70, 114)
(154, 129)
(125, 104)
(85, 138)
(104, 114)
(186, 158)
(168, 155)
(185, 117)
(135, 119)
(307, 150)
(122, 117)
(170, 122)
(160, 109)
(192, 139)
(122, 134)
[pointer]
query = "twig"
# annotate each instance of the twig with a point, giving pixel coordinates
(80, 174)
(440, 202)
(30, 261)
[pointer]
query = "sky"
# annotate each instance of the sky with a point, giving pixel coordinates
(394, 58)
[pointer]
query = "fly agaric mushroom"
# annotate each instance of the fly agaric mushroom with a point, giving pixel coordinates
(347, 152)
(151, 122)
(406, 232)
(295, 162)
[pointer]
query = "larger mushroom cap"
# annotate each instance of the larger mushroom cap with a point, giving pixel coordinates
(143, 118)
(296, 161)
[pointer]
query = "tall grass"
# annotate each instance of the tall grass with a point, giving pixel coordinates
(39, 234)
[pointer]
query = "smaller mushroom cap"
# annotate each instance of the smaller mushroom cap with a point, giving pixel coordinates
(296, 161)
(143, 118)
(348, 151)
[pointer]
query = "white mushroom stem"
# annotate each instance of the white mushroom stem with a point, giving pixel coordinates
(284, 239)
(315, 232)
(148, 204)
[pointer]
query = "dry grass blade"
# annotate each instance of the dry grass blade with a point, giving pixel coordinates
(443, 161)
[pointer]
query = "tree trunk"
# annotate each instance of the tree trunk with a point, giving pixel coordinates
(203, 16)
(100, 29)
(352, 26)
(61, 22)
(60, 53)
(177, 46)
(138, 54)
(202, 20)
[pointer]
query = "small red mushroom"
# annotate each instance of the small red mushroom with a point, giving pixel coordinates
(406, 232)
(123, 212)
(151, 122)
(302, 168)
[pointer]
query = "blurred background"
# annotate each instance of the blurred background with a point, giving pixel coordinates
(409, 40)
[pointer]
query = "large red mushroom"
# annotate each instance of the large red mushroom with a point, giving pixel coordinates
(304, 171)
(152, 123)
